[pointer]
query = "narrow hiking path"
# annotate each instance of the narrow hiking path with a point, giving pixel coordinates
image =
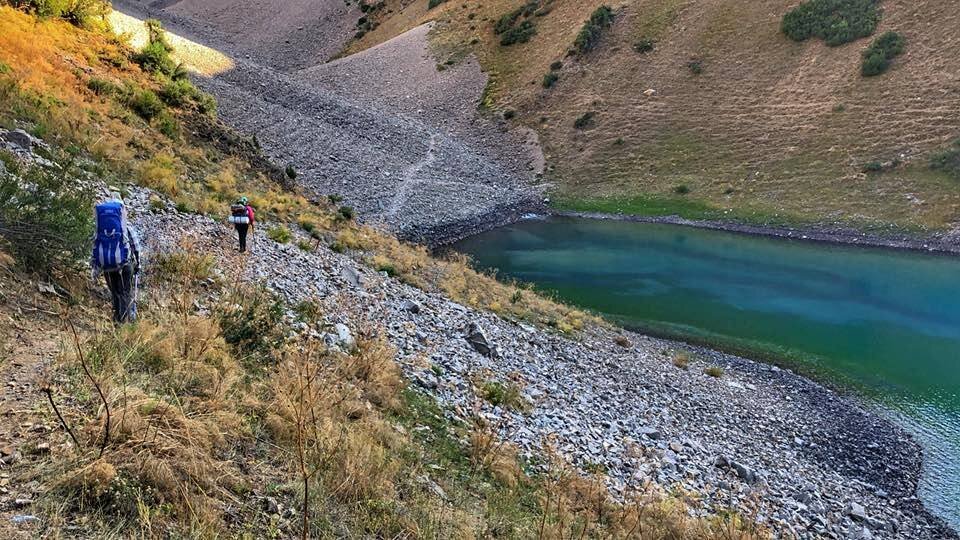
(411, 177)
(29, 432)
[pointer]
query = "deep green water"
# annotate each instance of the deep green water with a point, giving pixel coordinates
(883, 323)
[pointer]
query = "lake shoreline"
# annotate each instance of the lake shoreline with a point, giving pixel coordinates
(942, 244)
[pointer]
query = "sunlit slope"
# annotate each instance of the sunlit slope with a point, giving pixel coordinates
(768, 127)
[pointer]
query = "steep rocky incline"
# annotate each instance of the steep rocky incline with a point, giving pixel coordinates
(422, 178)
(812, 463)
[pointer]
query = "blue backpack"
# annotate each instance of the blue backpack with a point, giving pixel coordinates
(111, 248)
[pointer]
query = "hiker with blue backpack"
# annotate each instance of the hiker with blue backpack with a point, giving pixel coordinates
(116, 254)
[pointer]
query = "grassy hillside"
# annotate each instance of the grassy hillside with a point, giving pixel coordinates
(708, 109)
(213, 416)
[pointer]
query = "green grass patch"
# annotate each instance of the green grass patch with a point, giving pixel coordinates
(641, 205)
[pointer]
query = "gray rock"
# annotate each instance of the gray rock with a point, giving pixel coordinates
(344, 337)
(351, 276)
(478, 339)
(856, 511)
(411, 306)
(20, 138)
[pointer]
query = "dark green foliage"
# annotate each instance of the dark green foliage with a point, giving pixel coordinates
(877, 58)
(589, 35)
(206, 104)
(695, 67)
(291, 172)
(83, 13)
(550, 79)
(177, 93)
(146, 104)
(556, 66)
(681, 189)
(168, 125)
(643, 46)
(102, 87)
(155, 56)
(512, 30)
(346, 212)
(518, 34)
(509, 114)
(873, 166)
(434, 3)
(387, 268)
(181, 92)
(947, 160)
(334, 198)
(584, 120)
(252, 323)
(45, 219)
(834, 21)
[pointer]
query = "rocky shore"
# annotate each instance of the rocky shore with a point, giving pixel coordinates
(775, 446)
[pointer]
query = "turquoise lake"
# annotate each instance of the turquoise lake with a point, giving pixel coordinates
(883, 323)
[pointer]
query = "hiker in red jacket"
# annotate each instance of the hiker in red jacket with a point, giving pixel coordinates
(241, 215)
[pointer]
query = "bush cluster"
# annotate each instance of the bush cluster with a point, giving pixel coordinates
(589, 35)
(877, 58)
(512, 29)
(45, 219)
(947, 160)
(834, 21)
(584, 120)
(82, 13)
(550, 79)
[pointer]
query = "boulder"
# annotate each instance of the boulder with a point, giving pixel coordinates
(478, 339)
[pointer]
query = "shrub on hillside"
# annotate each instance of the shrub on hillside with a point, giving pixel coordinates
(877, 58)
(146, 104)
(550, 79)
(434, 3)
(518, 34)
(643, 46)
(947, 160)
(83, 13)
(584, 120)
(589, 35)
(280, 234)
(155, 56)
(834, 21)
(177, 93)
(45, 219)
(511, 29)
(102, 87)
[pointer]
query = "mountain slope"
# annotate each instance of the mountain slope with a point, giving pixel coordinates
(393, 164)
(768, 128)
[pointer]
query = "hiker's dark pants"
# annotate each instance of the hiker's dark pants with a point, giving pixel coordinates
(242, 232)
(120, 283)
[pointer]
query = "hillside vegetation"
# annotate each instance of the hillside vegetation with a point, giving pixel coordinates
(772, 111)
(215, 415)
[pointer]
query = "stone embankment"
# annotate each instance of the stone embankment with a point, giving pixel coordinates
(776, 446)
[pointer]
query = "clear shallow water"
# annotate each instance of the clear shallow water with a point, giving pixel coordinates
(882, 322)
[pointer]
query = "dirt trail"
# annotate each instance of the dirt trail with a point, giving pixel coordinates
(28, 431)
